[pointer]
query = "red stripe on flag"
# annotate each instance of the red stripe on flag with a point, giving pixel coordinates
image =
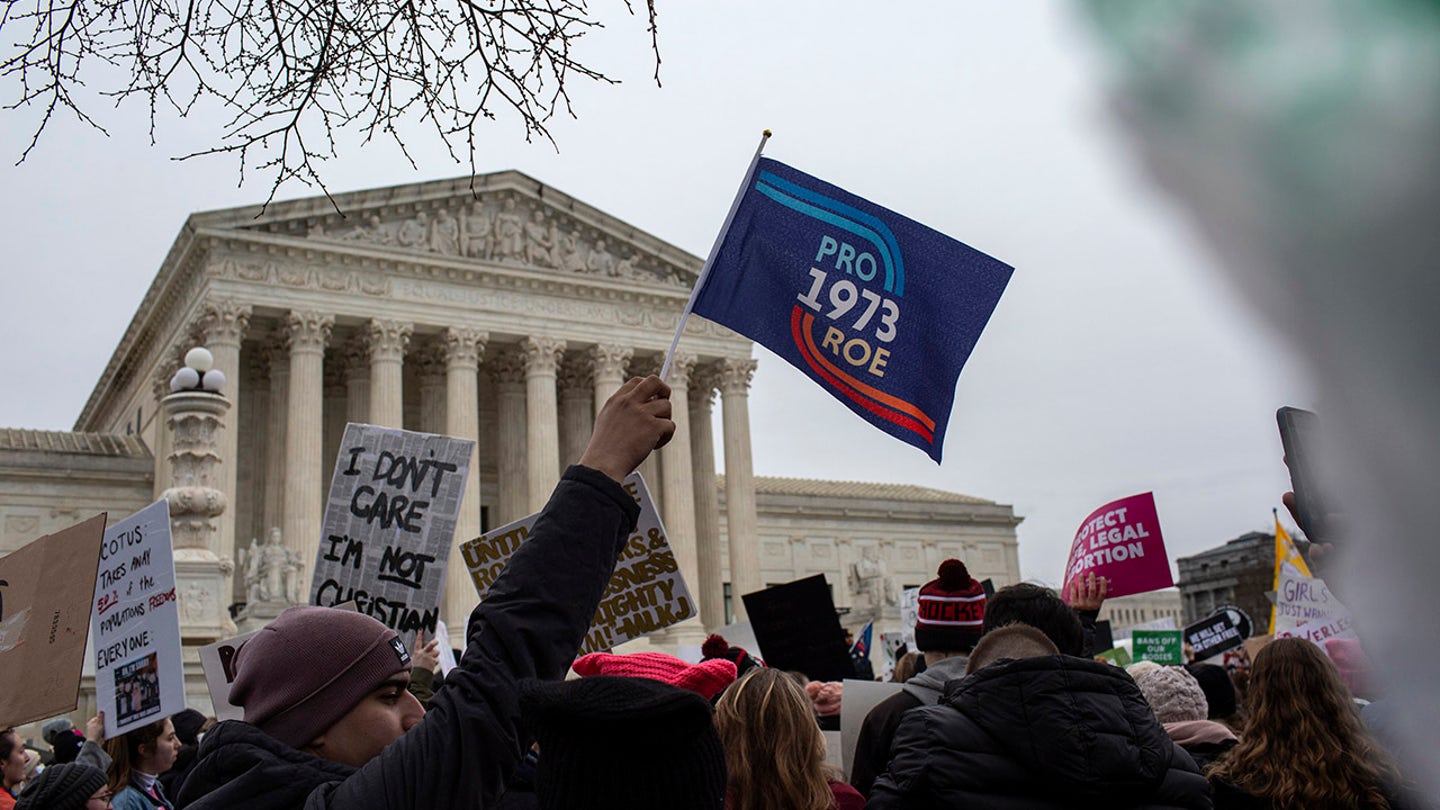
(805, 342)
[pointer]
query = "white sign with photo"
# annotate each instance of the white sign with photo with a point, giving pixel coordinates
(135, 624)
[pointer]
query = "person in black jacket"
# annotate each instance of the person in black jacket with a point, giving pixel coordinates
(946, 638)
(392, 754)
(1030, 728)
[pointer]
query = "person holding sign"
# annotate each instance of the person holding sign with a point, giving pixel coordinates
(328, 721)
(137, 758)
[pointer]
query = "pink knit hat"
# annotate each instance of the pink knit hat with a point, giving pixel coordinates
(708, 678)
(309, 667)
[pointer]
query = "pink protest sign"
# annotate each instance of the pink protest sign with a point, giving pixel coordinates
(1121, 541)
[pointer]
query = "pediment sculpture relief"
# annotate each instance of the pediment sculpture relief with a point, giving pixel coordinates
(507, 230)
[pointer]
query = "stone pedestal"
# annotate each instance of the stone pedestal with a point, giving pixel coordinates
(196, 420)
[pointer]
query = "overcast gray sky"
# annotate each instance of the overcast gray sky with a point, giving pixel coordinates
(1117, 361)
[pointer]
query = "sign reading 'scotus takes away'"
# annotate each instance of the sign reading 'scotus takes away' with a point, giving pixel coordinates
(135, 625)
(646, 592)
(389, 524)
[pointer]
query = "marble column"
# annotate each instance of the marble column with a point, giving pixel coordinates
(309, 331)
(432, 370)
(577, 410)
(202, 577)
(711, 592)
(678, 510)
(463, 349)
(224, 323)
(357, 381)
(277, 350)
(255, 424)
(608, 363)
(542, 440)
(742, 525)
(334, 417)
(507, 369)
(387, 341)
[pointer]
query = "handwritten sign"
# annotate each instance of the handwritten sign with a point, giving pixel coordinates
(1160, 646)
(389, 524)
(1213, 635)
(1121, 541)
(909, 614)
(218, 662)
(646, 593)
(1300, 600)
(136, 623)
(1320, 630)
(46, 590)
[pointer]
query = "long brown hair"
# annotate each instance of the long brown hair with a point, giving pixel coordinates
(1304, 745)
(124, 752)
(774, 750)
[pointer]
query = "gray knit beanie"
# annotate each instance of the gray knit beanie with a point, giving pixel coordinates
(61, 787)
(1174, 694)
(309, 667)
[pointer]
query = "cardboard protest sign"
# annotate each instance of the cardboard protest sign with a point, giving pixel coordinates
(1160, 646)
(1121, 541)
(46, 590)
(218, 661)
(136, 623)
(1255, 644)
(646, 593)
(1300, 600)
(799, 630)
(860, 698)
(1213, 635)
(389, 525)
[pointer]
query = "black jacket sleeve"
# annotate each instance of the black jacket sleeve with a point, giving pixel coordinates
(530, 626)
(872, 746)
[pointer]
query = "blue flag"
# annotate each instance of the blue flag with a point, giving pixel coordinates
(876, 308)
(861, 648)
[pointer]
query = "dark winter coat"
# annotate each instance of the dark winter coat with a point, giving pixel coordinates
(1046, 732)
(466, 748)
(872, 746)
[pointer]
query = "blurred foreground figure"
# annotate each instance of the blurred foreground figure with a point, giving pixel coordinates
(1302, 138)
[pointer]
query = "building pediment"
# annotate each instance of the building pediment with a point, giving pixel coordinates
(505, 220)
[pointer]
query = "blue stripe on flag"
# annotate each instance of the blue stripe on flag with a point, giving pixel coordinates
(894, 272)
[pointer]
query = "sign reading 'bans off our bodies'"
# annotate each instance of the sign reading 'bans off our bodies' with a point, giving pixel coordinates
(389, 525)
(1121, 541)
(136, 623)
(646, 593)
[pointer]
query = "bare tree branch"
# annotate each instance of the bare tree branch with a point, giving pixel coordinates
(294, 74)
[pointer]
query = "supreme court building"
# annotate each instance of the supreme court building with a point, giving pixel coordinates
(506, 315)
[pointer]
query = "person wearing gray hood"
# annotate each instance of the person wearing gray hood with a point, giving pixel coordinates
(950, 619)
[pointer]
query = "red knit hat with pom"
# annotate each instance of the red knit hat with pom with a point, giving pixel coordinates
(716, 646)
(708, 678)
(952, 610)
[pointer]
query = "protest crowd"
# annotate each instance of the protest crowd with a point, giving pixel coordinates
(1002, 704)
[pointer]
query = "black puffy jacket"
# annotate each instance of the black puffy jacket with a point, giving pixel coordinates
(1047, 732)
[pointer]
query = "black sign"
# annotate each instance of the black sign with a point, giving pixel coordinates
(988, 587)
(796, 626)
(1238, 616)
(1212, 636)
(1104, 638)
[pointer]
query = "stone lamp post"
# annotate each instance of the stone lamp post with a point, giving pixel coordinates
(195, 411)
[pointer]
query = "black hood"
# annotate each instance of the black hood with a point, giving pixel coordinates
(238, 765)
